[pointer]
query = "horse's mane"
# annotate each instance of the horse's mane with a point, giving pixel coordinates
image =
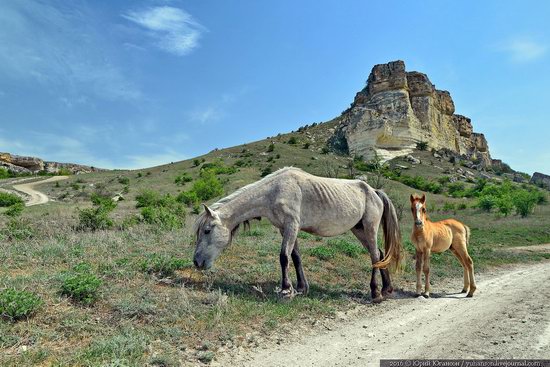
(201, 219)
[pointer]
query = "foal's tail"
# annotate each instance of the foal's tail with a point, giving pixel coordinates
(392, 235)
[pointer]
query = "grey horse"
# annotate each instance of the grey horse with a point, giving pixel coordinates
(294, 200)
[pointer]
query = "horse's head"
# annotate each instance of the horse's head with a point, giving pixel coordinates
(212, 237)
(418, 208)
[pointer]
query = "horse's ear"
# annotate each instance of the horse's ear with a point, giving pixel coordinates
(412, 198)
(423, 199)
(208, 211)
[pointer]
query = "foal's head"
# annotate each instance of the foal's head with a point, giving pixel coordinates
(212, 237)
(418, 208)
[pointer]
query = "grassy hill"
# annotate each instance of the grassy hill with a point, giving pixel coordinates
(128, 295)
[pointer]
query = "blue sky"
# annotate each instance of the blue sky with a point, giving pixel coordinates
(130, 84)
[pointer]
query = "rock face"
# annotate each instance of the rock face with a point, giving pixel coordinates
(398, 109)
(540, 179)
(21, 164)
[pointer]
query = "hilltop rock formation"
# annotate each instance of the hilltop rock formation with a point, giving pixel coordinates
(397, 110)
(21, 164)
(540, 179)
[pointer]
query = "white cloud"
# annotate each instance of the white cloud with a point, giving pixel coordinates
(522, 49)
(173, 29)
(61, 47)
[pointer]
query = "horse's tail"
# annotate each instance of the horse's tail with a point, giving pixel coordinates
(392, 235)
(468, 232)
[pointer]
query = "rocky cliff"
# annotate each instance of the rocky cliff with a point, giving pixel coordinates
(540, 179)
(30, 165)
(397, 110)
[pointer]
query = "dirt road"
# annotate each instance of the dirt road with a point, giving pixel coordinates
(36, 197)
(509, 317)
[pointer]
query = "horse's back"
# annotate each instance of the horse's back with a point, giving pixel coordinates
(459, 230)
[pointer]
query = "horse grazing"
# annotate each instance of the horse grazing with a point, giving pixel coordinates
(437, 237)
(293, 200)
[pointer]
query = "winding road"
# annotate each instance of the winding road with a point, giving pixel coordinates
(36, 197)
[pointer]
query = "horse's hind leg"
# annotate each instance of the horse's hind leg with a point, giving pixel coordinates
(466, 276)
(387, 287)
(468, 265)
(302, 285)
(368, 239)
(426, 269)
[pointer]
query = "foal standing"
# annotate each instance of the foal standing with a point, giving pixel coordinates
(437, 237)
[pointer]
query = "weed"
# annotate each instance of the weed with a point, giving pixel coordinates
(18, 304)
(8, 199)
(323, 252)
(80, 284)
(350, 249)
(163, 265)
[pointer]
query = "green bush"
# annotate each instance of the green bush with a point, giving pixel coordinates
(448, 207)
(323, 252)
(103, 201)
(8, 199)
(183, 179)
(293, 140)
(162, 265)
(171, 217)
(456, 189)
(124, 180)
(524, 202)
(97, 217)
(207, 186)
(486, 202)
(196, 162)
(4, 173)
(350, 249)
(420, 183)
(266, 171)
(422, 145)
(18, 304)
(81, 285)
(188, 197)
(218, 168)
(15, 210)
(504, 204)
(271, 147)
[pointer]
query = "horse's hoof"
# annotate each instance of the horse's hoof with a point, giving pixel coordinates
(418, 295)
(377, 300)
(287, 294)
(387, 292)
(303, 290)
(469, 295)
(426, 295)
(464, 290)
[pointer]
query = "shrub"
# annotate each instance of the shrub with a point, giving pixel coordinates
(170, 217)
(348, 248)
(15, 210)
(18, 304)
(94, 219)
(504, 205)
(447, 207)
(293, 140)
(462, 206)
(103, 201)
(486, 202)
(4, 173)
(8, 199)
(218, 168)
(81, 285)
(325, 150)
(188, 197)
(306, 145)
(183, 179)
(207, 186)
(162, 265)
(456, 189)
(271, 147)
(266, 171)
(422, 145)
(124, 180)
(196, 162)
(524, 202)
(323, 252)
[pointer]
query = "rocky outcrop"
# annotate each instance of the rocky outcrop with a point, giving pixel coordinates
(540, 179)
(397, 110)
(29, 165)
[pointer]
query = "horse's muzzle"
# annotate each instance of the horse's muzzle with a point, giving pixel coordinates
(418, 223)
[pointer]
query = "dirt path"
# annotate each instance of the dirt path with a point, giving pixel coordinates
(36, 197)
(509, 317)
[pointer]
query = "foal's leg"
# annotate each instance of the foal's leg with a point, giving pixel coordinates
(290, 233)
(460, 248)
(302, 285)
(426, 268)
(368, 239)
(466, 276)
(419, 259)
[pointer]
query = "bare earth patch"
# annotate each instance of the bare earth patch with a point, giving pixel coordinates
(507, 318)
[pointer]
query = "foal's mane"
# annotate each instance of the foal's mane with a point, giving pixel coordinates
(201, 219)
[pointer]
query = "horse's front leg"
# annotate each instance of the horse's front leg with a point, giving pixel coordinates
(290, 233)
(419, 259)
(426, 269)
(302, 285)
